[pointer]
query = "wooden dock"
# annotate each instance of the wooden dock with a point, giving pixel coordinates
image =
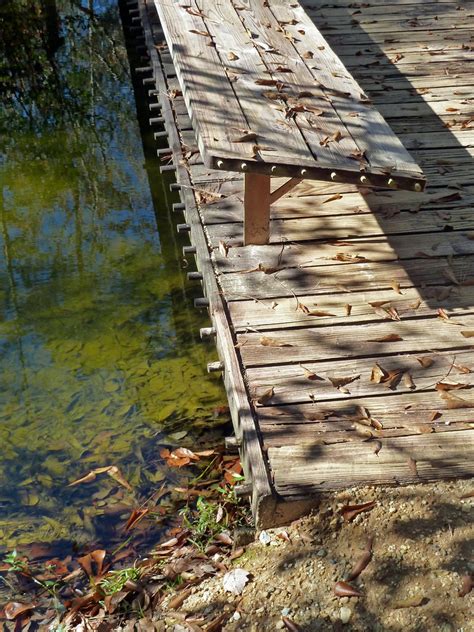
(346, 344)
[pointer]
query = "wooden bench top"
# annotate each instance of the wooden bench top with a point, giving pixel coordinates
(267, 94)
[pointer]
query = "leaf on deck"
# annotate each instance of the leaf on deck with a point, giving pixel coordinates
(265, 341)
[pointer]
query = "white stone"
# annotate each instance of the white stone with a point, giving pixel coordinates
(345, 614)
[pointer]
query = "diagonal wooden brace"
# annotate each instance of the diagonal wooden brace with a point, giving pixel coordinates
(257, 201)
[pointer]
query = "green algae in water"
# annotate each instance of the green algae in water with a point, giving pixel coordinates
(98, 349)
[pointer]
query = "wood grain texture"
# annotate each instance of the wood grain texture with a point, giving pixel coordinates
(336, 248)
(322, 467)
(257, 101)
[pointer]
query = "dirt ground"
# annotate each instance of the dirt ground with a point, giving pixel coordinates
(422, 543)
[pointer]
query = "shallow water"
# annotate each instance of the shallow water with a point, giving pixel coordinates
(100, 358)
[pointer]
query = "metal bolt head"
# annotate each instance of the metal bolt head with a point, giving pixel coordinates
(417, 187)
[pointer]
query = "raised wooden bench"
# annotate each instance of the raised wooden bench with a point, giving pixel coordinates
(268, 97)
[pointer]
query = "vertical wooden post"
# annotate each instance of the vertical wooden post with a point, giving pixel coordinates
(256, 209)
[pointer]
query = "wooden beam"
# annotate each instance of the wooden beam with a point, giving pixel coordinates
(256, 209)
(284, 189)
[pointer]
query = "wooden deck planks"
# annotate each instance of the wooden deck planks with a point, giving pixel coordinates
(244, 60)
(346, 254)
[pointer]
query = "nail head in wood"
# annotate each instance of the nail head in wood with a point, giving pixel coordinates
(391, 183)
(207, 332)
(194, 276)
(243, 166)
(333, 175)
(274, 169)
(418, 187)
(232, 444)
(303, 172)
(201, 302)
(213, 367)
(220, 164)
(363, 179)
(243, 491)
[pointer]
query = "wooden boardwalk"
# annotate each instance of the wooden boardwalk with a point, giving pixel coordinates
(346, 344)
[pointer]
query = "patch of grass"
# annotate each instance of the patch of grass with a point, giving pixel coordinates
(205, 521)
(115, 581)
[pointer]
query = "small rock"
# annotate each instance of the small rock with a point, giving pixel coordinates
(345, 614)
(236, 616)
(264, 538)
(243, 536)
(322, 553)
(285, 612)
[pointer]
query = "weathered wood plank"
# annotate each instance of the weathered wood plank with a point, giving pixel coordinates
(394, 408)
(325, 229)
(341, 432)
(307, 201)
(291, 385)
(401, 460)
(254, 463)
(216, 73)
(373, 137)
(347, 308)
(326, 343)
(354, 277)
(308, 254)
(197, 66)
(298, 79)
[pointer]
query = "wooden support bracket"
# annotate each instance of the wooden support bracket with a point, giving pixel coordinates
(257, 201)
(284, 189)
(256, 209)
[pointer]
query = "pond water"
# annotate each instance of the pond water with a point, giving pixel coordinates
(100, 357)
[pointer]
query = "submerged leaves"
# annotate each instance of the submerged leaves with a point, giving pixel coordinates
(112, 470)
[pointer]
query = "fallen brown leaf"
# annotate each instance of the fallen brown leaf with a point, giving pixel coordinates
(379, 374)
(178, 600)
(272, 342)
(310, 375)
(387, 338)
(349, 512)
(410, 602)
(450, 386)
(408, 381)
(336, 196)
(396, 286)
(362, 562)
(461, 368)
(291, 625)
(467, 585)
(425, 361)
(265, 397)
(337, 382)
(412, 466)
(344, 589)
(135, 517)
(14, 609)
(454, 402)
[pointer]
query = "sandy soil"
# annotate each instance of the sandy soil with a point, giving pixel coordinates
(421, 552)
